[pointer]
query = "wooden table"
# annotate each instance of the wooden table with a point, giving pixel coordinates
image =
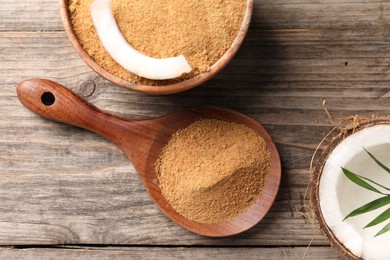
(67, 193)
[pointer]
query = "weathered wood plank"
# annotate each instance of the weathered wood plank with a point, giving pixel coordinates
(61, 185)
(296, 78)
(31, 15)
(334, 14)
(36, 15)
(320, 253)
(278, 56)
(53, 192)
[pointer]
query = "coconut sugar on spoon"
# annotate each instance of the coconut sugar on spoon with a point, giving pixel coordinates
(200, 30)
(213, 170)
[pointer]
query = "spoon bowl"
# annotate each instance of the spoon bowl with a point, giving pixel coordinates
(143, 140)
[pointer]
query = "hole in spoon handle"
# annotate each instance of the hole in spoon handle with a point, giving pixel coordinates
(48, 98)
(54, 101)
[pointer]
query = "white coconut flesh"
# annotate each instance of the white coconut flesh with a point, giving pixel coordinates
(339, 196)
(125, 55)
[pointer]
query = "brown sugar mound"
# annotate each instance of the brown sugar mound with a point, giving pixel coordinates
(213, 170)
(201, 30)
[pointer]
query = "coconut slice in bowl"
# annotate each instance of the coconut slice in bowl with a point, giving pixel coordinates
(349, 190)
(125, 55)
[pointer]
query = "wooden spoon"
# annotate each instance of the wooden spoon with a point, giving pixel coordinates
(142, 142)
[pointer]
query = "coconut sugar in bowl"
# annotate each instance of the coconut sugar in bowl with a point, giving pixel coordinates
(207, 33)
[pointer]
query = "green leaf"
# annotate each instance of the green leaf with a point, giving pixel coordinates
(375, 204)
(380, 185)
(382, 217)
(377, 161)
(383, 230)
(359, 181)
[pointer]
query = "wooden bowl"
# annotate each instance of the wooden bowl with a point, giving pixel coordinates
(164, 89)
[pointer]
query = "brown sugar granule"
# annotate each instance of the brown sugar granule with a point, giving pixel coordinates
(213, 170)
(201, 30)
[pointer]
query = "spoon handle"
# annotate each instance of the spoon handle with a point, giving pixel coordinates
(54, 101)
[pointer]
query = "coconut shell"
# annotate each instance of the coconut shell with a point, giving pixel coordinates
(353, 125)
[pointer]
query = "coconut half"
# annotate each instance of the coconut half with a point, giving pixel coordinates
(334, 196)
(125, 55)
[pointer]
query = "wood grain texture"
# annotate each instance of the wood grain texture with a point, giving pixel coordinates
(64, 185)
(108, 205)
(43, 15)
(320, 253)
(287, 99)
